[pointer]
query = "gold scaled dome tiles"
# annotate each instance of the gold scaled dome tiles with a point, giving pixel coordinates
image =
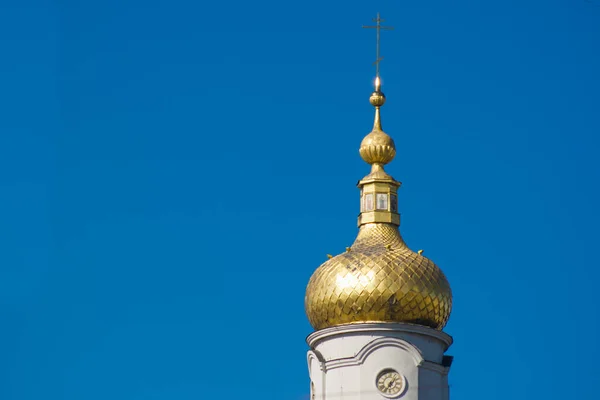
(378, 280)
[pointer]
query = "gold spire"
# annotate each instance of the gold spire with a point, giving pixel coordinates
(379, 200)
(379, 278)
(377, 148)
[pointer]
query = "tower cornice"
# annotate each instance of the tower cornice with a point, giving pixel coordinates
(314, 338)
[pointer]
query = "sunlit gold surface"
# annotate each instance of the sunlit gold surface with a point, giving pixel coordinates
(379, 279)
(372, 283)
(377, 98)
(377, 148)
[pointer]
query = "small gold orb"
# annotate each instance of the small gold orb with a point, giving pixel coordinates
(377, 98)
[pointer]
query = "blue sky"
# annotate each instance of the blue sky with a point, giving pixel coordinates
(172, 173)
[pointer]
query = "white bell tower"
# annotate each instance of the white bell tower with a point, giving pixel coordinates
(379, 361)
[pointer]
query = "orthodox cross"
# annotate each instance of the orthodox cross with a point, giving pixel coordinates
(379, 27)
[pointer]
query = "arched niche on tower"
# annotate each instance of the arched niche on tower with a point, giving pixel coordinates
(316, 372)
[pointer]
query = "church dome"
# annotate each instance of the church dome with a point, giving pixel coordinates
(378, 278)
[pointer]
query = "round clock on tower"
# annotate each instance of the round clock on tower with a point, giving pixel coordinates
(379, 308)
(390, 383)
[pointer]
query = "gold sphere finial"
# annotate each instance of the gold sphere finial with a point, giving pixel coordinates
(377, 98)
(377, 147)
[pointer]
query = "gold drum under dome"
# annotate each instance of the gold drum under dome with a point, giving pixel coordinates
(379, 280)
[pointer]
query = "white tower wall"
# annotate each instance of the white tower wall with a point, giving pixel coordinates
(345, 362)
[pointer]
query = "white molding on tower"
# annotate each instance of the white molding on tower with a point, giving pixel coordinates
(345, 361)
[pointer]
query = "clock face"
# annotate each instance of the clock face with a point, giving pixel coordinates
(390, 383)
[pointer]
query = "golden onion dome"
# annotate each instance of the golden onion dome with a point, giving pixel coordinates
(378, 278)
